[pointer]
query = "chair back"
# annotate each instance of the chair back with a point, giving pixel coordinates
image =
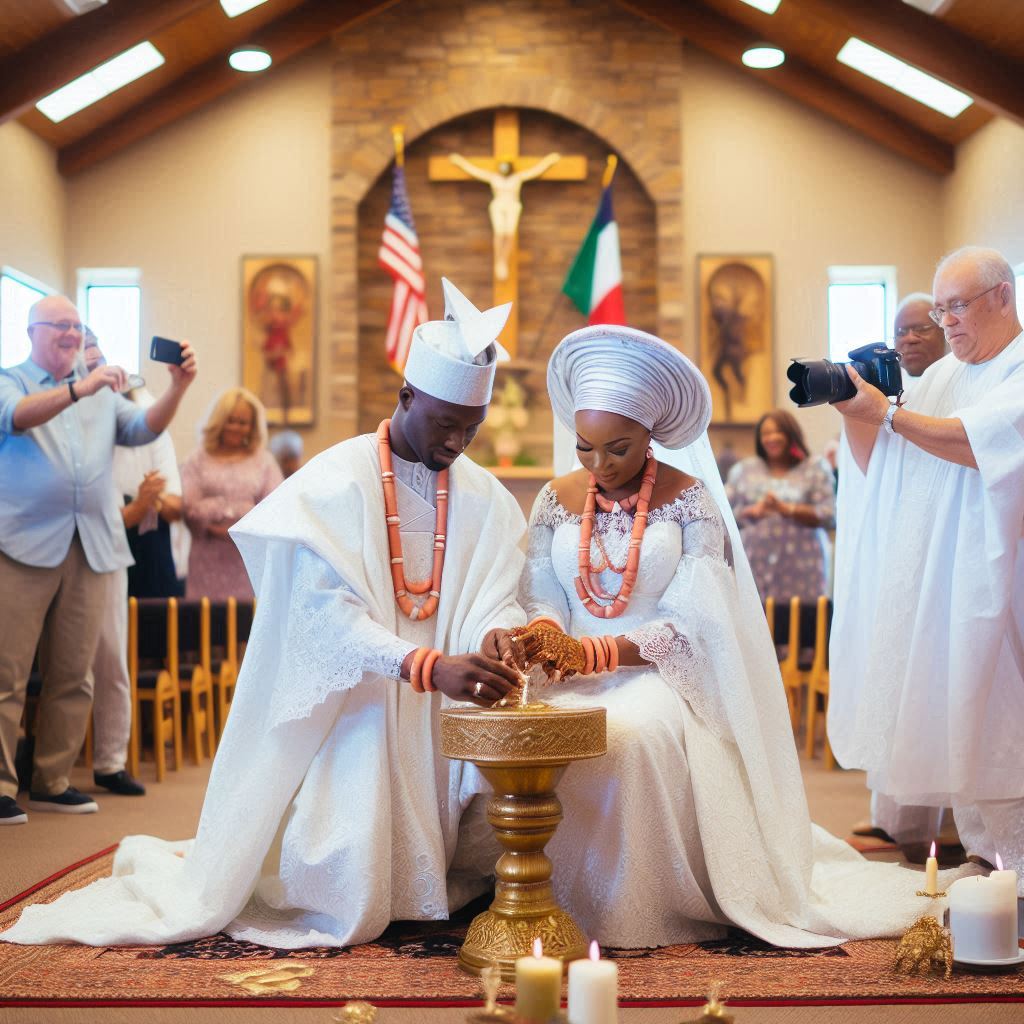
(156, 631)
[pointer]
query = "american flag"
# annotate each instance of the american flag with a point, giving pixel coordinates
(400, 256)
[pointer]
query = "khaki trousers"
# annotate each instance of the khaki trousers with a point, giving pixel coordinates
(112, 689)
(60, 611)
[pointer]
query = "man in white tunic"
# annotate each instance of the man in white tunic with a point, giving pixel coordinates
(927, 685)
(920, 342)
(329, 811)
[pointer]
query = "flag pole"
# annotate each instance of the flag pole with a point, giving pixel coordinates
(398, 137)
(609, 170)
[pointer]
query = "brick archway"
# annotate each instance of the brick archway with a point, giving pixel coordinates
(641, 125)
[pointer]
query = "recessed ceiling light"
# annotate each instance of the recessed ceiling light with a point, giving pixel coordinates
(250, 58)
(898, 75)
(100, 82)
(233, 8)
(763, 56)
(768, 6)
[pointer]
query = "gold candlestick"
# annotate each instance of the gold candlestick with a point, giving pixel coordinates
(522, 751)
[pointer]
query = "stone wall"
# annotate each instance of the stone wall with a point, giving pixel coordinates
(587, 78)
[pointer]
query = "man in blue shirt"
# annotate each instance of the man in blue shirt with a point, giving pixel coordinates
(61, 534)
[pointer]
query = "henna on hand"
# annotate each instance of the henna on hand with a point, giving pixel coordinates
(553, 650)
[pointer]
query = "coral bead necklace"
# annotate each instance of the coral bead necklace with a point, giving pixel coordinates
(432, 586)
(587, 588)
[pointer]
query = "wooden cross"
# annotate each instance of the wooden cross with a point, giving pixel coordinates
(507, 163)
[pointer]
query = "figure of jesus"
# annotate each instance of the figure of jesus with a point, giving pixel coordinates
(506, 206)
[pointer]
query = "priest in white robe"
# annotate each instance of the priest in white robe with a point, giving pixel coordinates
(927, 660)
(330, 811)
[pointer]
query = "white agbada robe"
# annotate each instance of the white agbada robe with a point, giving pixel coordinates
(927, 663)
(329, 812)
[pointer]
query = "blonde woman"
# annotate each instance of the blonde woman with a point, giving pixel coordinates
(231, 473)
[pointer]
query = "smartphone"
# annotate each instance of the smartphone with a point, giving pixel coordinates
(163, 350)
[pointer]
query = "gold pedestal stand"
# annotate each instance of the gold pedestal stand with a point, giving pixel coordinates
(522, 752)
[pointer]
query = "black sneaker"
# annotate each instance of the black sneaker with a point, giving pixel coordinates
(120, 783)
(68, 802)
(10, 812)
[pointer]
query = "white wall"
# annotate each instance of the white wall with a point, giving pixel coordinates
(247, 174)
(763, 174)
(32, 206)
(983, 202)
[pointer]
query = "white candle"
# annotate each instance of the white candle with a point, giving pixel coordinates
(593, 990)
(538, 985)
(983, 916)
(931, 873)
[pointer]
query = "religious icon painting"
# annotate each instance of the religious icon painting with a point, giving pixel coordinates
(736, 343)
(279, 303)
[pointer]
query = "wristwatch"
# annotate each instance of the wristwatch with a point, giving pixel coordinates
(887, 422)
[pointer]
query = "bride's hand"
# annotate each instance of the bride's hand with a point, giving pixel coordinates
(559, 654)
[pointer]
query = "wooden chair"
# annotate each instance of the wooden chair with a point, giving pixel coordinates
(793, 675)
(817, 680)
(223, 648)
(153, 636)
(187, 658)
(238, 625)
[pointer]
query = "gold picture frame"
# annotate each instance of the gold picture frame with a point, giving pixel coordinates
(279, 305)
(736, 346)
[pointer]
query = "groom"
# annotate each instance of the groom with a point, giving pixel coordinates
(329, 811)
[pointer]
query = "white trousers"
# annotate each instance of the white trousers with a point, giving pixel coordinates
(112, 696)
(906, 823)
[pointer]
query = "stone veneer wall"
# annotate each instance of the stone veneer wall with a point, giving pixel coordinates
(584, 73)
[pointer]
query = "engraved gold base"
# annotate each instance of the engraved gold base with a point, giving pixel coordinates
(522, 753)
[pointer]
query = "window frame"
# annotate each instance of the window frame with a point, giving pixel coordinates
(111, 277)
(27, 281)
(864, 274)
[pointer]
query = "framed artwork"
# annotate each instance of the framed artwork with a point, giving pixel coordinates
(279, 303)
(736, 345)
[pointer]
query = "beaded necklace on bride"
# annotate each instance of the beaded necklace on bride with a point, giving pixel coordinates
(403, 588)
(590, 591)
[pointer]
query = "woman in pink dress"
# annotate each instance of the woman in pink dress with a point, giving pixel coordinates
(231, 473)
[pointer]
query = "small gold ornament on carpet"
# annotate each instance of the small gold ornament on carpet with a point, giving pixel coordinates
(356, 1013)
(714, 1008)
(492, 1013)
(926, 946)
(270, 978)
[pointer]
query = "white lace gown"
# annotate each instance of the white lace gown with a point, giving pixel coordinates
(696, 817)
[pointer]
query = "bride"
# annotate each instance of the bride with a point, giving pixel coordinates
(640, 596)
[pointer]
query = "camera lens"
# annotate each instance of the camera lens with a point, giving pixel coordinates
(817, 381)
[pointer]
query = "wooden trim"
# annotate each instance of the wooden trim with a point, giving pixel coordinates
(994, 80)
(726, 39)
(79, 45)
(289, 35)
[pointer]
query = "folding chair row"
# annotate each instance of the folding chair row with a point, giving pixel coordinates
(171, 654)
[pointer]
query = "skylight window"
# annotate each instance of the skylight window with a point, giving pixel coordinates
(101, 81)
(768, 6)
(896, 74)
(233, 8)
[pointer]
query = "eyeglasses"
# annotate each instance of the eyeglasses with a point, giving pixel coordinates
(902, 332)
(62, 325)
(959, 306)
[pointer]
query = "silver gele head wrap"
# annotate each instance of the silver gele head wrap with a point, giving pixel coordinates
(454, 359)
(632, 373)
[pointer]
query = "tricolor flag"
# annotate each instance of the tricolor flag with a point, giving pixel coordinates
(399, 255)
(594, 282)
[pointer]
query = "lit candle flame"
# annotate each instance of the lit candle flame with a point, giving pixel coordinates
(538, 948)
(595, 952)
(999, 863)
(932, 854)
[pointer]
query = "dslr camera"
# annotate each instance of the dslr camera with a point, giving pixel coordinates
(816, 381)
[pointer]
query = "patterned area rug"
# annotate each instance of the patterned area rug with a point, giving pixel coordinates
(414, 964)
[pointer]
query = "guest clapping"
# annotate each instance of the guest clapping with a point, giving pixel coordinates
(784, 502)
(229, 475)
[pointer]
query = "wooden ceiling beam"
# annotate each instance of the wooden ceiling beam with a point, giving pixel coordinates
(995, 81)
(727, 39)
(289, 35)
(78, 45)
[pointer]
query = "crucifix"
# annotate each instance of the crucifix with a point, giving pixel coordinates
(506, 171)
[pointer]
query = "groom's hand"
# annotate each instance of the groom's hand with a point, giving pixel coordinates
(500, 645)
(475, 678)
